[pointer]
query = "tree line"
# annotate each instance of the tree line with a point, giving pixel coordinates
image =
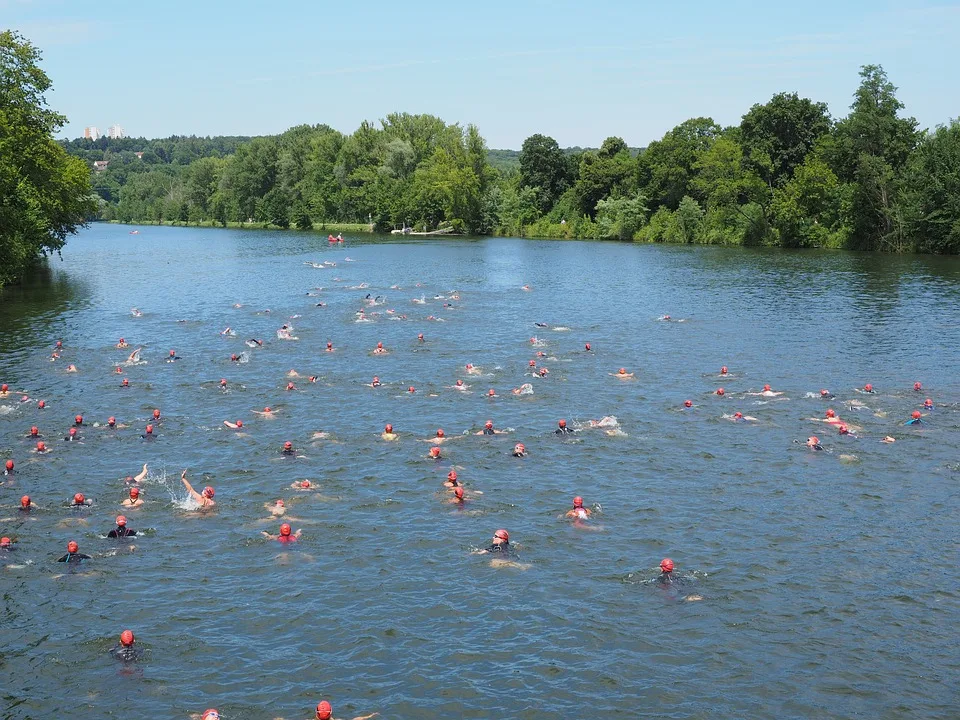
(788, 175)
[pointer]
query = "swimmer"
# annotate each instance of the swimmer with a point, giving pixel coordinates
(720, 392)
(766, 392)
(915, 418)
(135, 312)
(826, 395)
(125, 383)
(586, 347)
(491, 393)
(291, 386)
(527, 288)
(7, 545)
(687, 404)
(324, 709)
(845, 431)
(42, 449)
(253, 343)
(525, 389)
(440, 437)
(205, 499)
(71, 368)
(471, 370)
(285, 536)
(148, 433)
(917, 387)
(666, 572)
(868, 389)
(562, 428)
(238, 425)
(72, 436)
(928, 404)
(26, 504)
(420, 338)
(411, 390)
(830, 416)
(434, 453)
(267, 412)
(228, 331)
(500, 544)
(302, 485)
(739, 417)
(723, 371)
(125, 649)
(451, 481)
(457, 498)
(488, 429)
(519, 450)
(141, 476)
(79, 501)
(134, 500)
(276, 509)
(73, 554)
(375, 383)
(8, 467)
(329, 346)
(288, 449)
(543, 372)
(459, 385)
(579, 512)
(380, 350)
(888, 440)
(622, 374)
(122, 345)
(122, 530)
(172, 356)
(813, 442)
(388, 434)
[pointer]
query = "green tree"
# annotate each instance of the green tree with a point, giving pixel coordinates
(932, 198)
(544, 166)
(777, 136)
(609, 171)
(620, 218)
(45, 194)
(808, 210)
(666, 167)
(687, 221)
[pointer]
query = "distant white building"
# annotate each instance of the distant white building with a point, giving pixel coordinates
(115, 132)
(91, 133)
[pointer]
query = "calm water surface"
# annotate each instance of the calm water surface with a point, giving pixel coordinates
(830, 580)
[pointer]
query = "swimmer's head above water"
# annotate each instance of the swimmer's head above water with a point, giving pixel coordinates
(688, 403)
(666, 565)
(127, 639)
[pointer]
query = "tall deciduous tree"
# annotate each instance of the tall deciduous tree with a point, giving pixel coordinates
(544, 166)
(45, 194)
(666, 168)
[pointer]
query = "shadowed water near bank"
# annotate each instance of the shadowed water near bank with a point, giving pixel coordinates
(829, 584)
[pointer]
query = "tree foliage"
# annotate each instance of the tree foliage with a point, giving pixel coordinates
(45, 194)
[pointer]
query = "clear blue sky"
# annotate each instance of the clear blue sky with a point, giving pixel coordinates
(579, 71)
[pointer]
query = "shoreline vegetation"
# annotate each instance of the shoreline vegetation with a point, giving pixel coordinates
(789, 175)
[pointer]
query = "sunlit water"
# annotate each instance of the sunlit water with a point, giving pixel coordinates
(829, 580)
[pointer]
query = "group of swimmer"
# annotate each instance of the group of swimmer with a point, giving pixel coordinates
(502, 553)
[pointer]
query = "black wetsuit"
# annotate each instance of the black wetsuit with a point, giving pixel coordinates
(74, 558)
(489, 431)
(126, 653)
(121, 531)
(563, 431)
(502, 548)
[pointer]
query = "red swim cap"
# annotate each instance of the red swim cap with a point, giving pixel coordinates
(134, 493)
(502, 534)
(435, 452)
(72, 546)
(388, 428)
(868, 387)
(738, 414)
(73, 431)
(34, 430)
(376, 378)
(41, 446)
(533, 363)
(766, 388)
(122, 340)
(78, 499)
(488, 424)
(208, 492)
(440, 433)
(723, 370)
(452, 475)
(304, 483)
(156, 413)
(666, 565)
(491, 392)
(623, 371)
(234, 357)
(842, 429)
(813, 440)
(125, 383)
(289, 386)
(329, 345)
(578, 501)
(379, 345)
(928, 403)
(459, 383)
(121, 520)
(831, 413)
(59, 343)
(458, 491)
(468, 366)
(149, 429)
(324, 711)
(126, 638)
(239, 423)
(917, 386)
(411, 389)
(420, 336)
(4, 541)
(586, 346)
(4, 387)
(25, 501)
(9, 464)
(111, 420)
(288, 445)
(915, 414)
(41, 404)
(266, 410)
(285, 530)
(78, 419)
(562, 423)
(223, 381)
(824, 392)
(719, 391)
(173, 353)
(688, 403)
(210, 714)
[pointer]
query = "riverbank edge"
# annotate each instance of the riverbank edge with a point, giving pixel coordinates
(317, 227)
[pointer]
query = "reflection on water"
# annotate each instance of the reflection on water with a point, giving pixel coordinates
(828, 584)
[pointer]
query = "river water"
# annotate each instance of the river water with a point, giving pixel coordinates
(829, 580)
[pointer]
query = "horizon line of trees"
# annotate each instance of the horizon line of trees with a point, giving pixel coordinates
(788, 175)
